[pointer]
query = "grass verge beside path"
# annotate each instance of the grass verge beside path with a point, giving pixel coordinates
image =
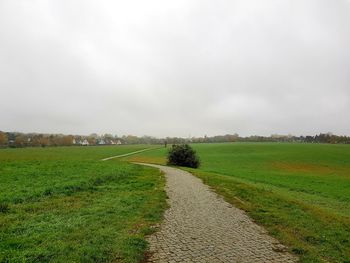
(60, 206)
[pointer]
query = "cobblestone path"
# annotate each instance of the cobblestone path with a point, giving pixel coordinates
(200, 226)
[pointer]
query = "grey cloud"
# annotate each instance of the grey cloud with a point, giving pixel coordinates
(175, 68)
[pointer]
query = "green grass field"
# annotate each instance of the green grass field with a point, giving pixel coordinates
(65, 205)
(299, 192)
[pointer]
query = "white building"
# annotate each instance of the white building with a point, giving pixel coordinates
(85, 142)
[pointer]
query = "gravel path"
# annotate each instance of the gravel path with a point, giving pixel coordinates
(200, 226)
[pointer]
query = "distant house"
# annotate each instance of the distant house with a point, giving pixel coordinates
(101, 142)
(85, 142)
(119, 142)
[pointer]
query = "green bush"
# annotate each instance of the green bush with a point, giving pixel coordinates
(183, 155)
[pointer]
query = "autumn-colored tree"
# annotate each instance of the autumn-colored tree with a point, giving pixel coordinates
(67, 140)
(44, 141)
(40, 140)
(20, 141)
(91, 140)
(36, 140)
(3, 138)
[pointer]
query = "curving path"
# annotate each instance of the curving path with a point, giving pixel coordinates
(200, 226)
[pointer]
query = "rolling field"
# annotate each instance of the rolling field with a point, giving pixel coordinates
(65, 205)
(299, 192)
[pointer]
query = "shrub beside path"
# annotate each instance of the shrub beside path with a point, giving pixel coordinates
(200, 226)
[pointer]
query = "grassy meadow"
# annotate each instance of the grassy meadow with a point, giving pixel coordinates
(65, 205)
(299, 192)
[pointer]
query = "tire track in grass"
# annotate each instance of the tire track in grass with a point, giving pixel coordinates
(127, 154)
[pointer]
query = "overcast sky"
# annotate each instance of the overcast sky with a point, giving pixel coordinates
(175, 68)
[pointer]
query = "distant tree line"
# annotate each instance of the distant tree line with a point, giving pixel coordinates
(320, 138)
(16, 139)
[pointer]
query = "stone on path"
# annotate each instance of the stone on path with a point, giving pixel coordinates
(200, 226)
